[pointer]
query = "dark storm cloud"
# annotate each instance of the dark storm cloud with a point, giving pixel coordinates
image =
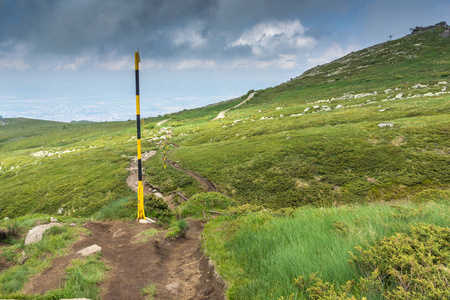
(73, 27)
(188, 29)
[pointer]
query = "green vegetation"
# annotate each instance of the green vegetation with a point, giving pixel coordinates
(308, 180)
(178, 229)
(200, 205)
(260, 253)
(34, 258)
(149, 291)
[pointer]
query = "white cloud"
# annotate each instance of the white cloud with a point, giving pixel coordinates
(283, 62)
(273, 37)
(74, 65)
(195, 64)
(191, 35)
(13, 64)
(333, 52)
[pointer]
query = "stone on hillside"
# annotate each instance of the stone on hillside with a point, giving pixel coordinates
(383, 109)
(419, 86)
(325, 108)
(386, 124)
(399, 96)
(53, 220)
(428, 95)
(90, 250)
(316, 106)
(278, 108)
(35, 234)
(6, 218)
(306, 109)
(339, 106)
(60, 211)
(442, 83)
(388, 91)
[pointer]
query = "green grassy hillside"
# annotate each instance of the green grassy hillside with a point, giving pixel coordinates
(316, 139)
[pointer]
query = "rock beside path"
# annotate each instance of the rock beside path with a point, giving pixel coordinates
(35, 234)
(90, 250)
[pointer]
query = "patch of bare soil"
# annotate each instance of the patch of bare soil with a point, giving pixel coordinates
(178, 268)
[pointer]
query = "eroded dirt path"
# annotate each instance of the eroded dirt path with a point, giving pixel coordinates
(221, 115)
(132, 180)
(178, 268)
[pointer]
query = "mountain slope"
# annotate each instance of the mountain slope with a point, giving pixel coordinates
(317, 138)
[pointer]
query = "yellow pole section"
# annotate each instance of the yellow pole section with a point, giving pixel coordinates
(141, 213)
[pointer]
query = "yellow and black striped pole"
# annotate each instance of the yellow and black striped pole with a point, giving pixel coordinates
(141, 214)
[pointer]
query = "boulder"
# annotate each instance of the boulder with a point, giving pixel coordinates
(35, 234)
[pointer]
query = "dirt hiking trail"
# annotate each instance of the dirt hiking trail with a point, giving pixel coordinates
(221, 115)
(177, 267)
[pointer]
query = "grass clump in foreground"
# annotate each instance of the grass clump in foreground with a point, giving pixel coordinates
(178, 229)
(260, 253)
(149, 291)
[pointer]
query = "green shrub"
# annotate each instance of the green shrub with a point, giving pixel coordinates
(404, 266)
(431, 195)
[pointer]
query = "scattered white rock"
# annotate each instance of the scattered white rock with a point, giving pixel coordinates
(6, 218)
(339, 106)
(35, 234)
(316, 106)
(158, 195)
(428, 95)
(278, 108)
(386, 124)
(399, 96)
(383, 109)
(325, 108)
(387, 91)
(90, 250)
(307, 109)
(442, 83)
(419, 86)
(53, 220)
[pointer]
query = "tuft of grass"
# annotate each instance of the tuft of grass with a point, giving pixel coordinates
(178, 229)
(149, 291)
(144, 236)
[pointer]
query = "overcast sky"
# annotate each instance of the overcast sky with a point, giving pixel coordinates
(74, 59)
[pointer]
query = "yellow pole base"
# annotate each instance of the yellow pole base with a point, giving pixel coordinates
(141, 213)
